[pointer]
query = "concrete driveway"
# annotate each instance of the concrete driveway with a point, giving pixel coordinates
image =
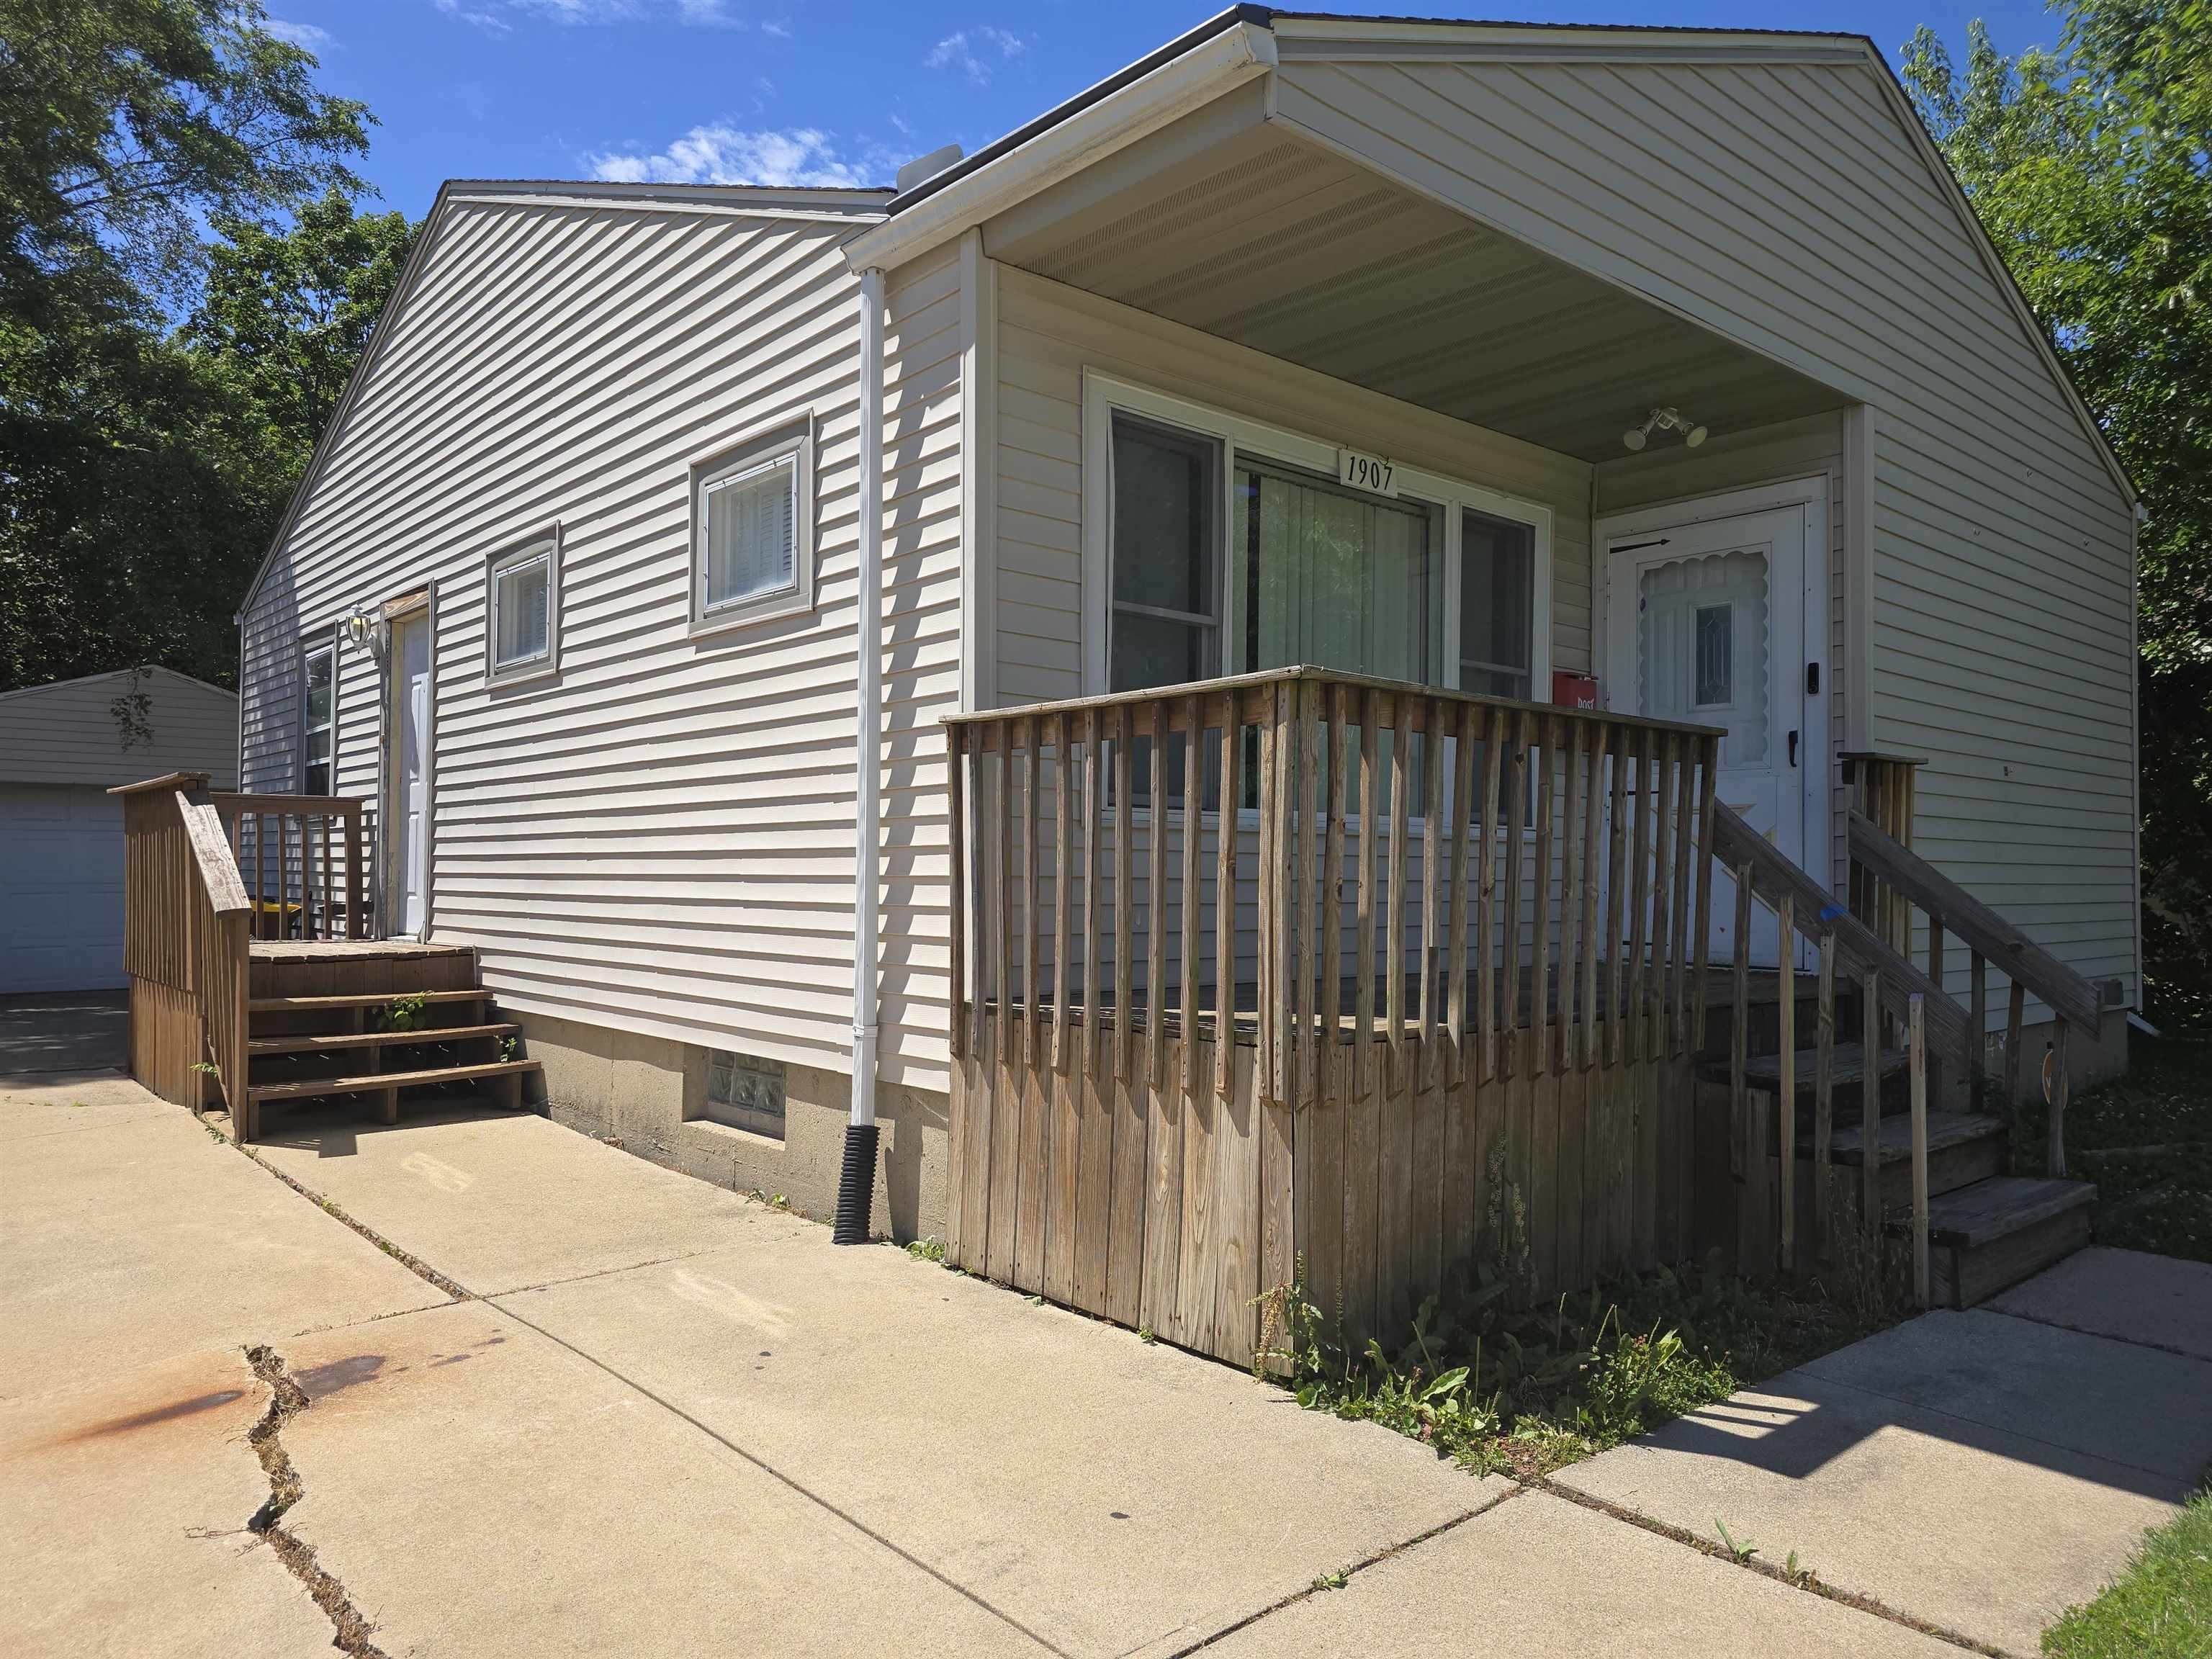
(478, 1385)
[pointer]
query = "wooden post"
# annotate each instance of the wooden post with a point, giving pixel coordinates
(1225, 901)
(1739, 1034)
(1936, 973)
(1977, 1026)
(2055, 1152)
(2015, 1009)
(1194, 839)
(1917, 1043)
(1485, 917)
(1362, 1000)
(1823, 1097)
(1870, 1104)
(956, 829)
(1786, 1008)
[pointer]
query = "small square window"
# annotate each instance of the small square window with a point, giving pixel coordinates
(744, 1092)
(524, 610)
(752, 530)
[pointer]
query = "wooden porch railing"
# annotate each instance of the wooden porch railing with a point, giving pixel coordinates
(1325, 1009)
(305, 861)
(188, 918)
(1883, 788)
(185, 923)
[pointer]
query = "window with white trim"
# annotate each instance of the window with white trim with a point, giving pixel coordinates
(318, 718)
(525, 593)
(753, 531)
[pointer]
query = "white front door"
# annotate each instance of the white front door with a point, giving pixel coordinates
(1706, 622)
(408, 770)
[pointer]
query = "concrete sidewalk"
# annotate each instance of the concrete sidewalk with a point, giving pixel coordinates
(656, 1418)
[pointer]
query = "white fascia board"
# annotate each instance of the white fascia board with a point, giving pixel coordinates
(1204, 73)
(1376, 39)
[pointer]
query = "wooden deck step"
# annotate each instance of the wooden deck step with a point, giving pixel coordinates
(319, 1042)
(1986, 1237)
(359, 999)
(377, 1082)
(1847, 1066)
(1945, 1131)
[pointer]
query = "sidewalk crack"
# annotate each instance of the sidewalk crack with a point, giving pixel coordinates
(351, 1633)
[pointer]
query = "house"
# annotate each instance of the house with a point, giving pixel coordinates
(61, 745)
(1621, 442)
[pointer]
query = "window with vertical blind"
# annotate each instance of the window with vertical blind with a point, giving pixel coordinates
(753, 531)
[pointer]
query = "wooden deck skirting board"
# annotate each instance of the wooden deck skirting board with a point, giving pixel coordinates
(1183, 1209)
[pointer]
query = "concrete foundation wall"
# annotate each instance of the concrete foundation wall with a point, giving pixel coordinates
(650, 1093)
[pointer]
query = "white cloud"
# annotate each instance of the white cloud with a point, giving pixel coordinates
(972, 55)
(497, 15)
(305, 35)
(778, 27)
(723, 155)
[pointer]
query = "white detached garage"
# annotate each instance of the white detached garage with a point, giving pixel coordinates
(61, 747)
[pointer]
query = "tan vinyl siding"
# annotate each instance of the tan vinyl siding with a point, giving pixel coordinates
(67, 732)
(660, 837)
(1049, 334)
(1789, 207)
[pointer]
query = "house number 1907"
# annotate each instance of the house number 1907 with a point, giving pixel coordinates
(1369, 472)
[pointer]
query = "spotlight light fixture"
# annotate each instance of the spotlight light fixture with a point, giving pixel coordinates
(1663, 420)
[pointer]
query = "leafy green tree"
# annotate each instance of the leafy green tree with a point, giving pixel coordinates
(2089, 166)
(289, 314)
(143, 469)
(128, 123)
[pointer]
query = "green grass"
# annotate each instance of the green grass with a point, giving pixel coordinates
(2160, 1608)
(1500, 1382)
(2146, 1142)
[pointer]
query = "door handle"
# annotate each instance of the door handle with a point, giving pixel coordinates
(1793, 749)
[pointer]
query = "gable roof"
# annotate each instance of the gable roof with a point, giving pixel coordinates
(1287, 36)
(66, 731)
(800, 201)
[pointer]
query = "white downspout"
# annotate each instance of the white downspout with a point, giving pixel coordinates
(857, 1179)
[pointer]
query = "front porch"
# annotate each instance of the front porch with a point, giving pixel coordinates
(1391, 1098)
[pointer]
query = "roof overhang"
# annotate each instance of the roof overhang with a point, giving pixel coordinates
(1222, 55)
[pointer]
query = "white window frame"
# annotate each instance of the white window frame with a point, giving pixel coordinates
(1104, 395)
(328, 648)
(546, 545)
(788, 440)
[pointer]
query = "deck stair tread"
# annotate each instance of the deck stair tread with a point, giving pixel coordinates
(359, 999)
(307, 1042)
(371, 1082)
(1944, 1130)
(1847, 1066)
(2000, 1206)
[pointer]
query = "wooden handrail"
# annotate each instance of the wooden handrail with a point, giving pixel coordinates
(1951, 906)
(318, 885)
(1816, 910)
(225, 890)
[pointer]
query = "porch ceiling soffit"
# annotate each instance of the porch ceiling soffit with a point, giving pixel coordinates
(1241, 226)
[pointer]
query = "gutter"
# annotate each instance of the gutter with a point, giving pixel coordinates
(1219, 55)
(856, 1177)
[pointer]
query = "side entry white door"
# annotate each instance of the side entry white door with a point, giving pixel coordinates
(1705, 623)
(410, 771)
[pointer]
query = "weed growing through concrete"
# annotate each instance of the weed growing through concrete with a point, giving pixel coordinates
(1744, 1551)
(931, 1249)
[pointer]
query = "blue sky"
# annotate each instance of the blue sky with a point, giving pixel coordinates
(783, 91)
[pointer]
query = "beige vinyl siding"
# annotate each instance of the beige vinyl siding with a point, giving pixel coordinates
(67, 732)
(659, 838)
(1789, 207)
(1049, 334)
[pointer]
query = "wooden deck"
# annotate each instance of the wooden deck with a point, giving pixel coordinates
(348, 950)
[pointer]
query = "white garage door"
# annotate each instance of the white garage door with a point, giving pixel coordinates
(61, 888)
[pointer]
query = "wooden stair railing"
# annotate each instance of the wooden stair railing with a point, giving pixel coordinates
(1989, 939)
(304, 860)
(186, 923)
